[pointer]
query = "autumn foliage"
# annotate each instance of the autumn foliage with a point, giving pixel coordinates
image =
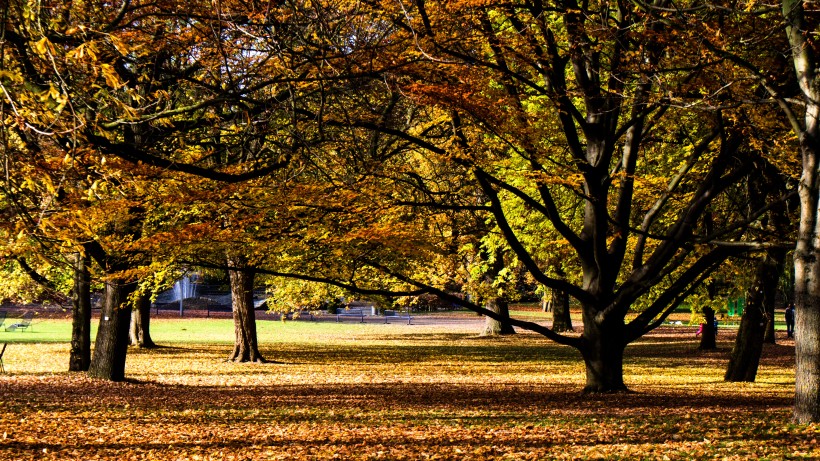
(396, 392)
(618, 154)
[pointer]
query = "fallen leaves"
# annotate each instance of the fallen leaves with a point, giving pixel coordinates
(421, 395)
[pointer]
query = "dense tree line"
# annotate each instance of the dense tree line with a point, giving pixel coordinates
(620, 154)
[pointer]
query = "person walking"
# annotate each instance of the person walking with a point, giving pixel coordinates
(790, 320)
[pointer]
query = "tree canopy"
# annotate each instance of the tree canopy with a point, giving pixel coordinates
(607, 151)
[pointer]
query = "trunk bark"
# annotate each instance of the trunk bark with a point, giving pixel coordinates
(807, 275)
(546, 303)
(561, 320)
(769, 333)
(603, 352)
(806, 261)
(246, 348)
(754, 323)
(807, 341)
(111, 345)
(708, 338)
(140, 333)
(493, 327)
(80, 355)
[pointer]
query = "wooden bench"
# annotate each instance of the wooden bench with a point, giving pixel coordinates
(25, 322)
(349, 313)
(390, 314)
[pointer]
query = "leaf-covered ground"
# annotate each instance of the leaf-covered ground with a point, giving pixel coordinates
(397, 392)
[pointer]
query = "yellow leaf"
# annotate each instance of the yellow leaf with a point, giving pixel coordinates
(111, 77)
(42, 46)
(119, 45)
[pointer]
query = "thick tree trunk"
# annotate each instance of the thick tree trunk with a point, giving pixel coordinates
(806, 261)
(493, 327)
(807, 284)
(246, 348)
(603, 352)
(807, 294)
(140, 332)
(807, 274)
(807, 345)
(80, 355)
(745, 357)
(111, 346)
(708, 338)
(561, 320)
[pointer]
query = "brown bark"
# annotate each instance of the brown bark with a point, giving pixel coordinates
(745, 357)
(768, 330)
(246, 348)
(493, 327)
(140, 331)
(806, 261)
(603, 352)
(80, 354)
(111, 345)
(561, 319)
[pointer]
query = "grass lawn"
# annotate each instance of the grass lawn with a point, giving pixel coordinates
(374, 391)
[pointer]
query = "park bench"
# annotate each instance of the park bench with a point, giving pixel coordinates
(349, 313)
(2, 317)
(390, 314)
(2, 351)
(25, 322)
(303, 314)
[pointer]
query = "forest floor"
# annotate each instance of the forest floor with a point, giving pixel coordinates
(395, 391)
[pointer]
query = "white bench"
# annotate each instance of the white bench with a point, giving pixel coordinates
(25, 322)
(349, 313)
(390, 314)
(300, 314)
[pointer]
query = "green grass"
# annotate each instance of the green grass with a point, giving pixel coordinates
(217, 331)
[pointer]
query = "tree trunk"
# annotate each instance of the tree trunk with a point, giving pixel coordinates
(708, 338)
(807, 339)
(493, 327)
(806, 261)
(754, 323)
(246, 348)
(111, 345)
(603, 352)
(140, 333)
(80, 355)
(768, 331)
(561, 320)
(546, 303)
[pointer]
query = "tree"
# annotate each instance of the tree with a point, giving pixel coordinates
(529, 119)
(163, 89)
(139, 331)
(561, 319)
(80, 354)
(111, 345)
(806, 263)
(246, 347)
(764, 186)
(708, 332)
(796, 94)
(364, 132)
(745, 356)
